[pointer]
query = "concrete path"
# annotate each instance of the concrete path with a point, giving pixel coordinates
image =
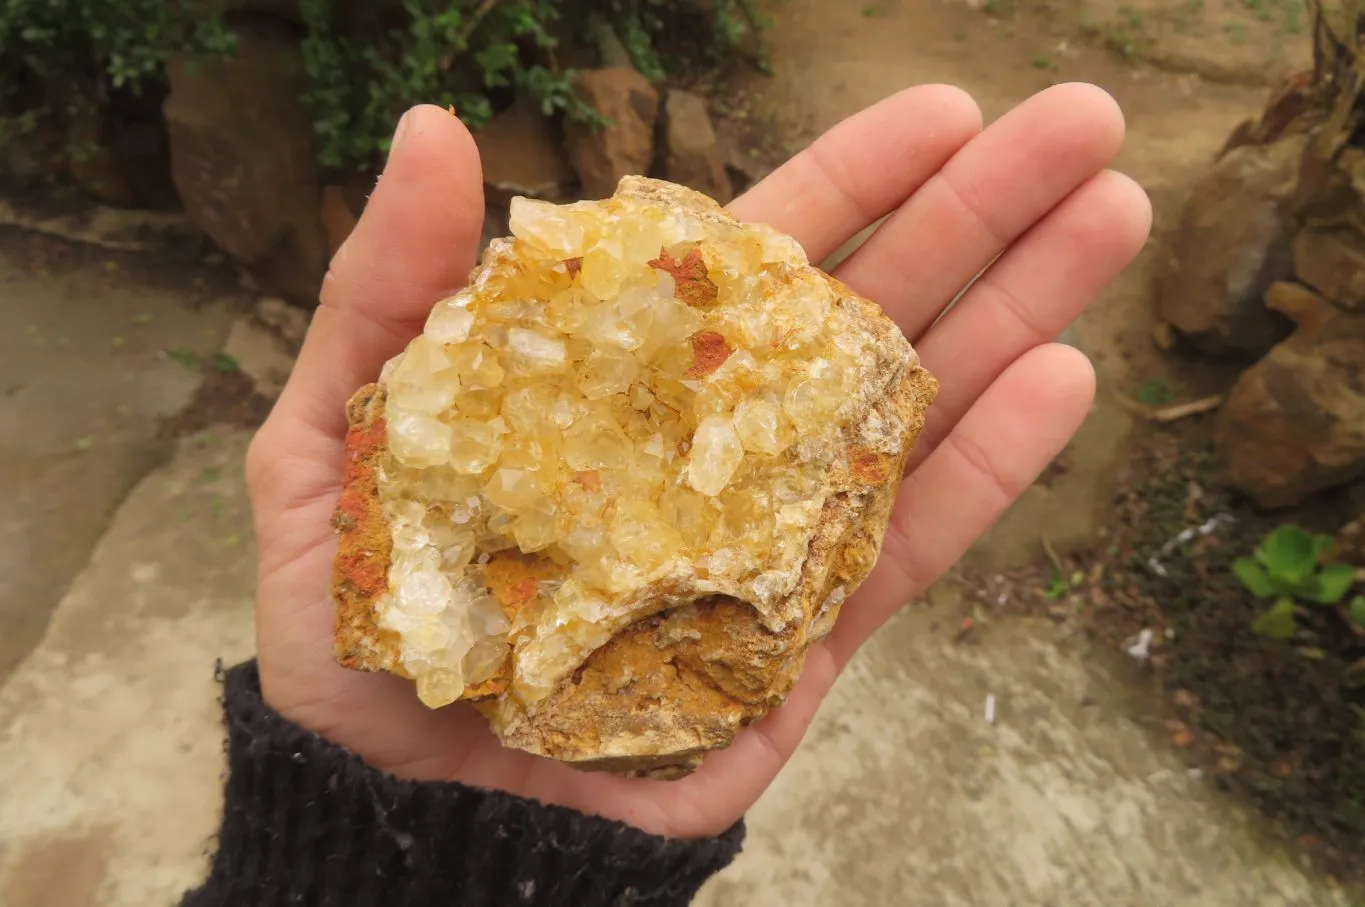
(110, 742)
(903, 794)
(110, 751)
(84, 383)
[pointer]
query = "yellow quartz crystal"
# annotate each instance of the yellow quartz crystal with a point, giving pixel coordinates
(651, 409)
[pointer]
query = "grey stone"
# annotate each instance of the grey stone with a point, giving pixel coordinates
(290, 322)
(261, 355)
(1230, 246)
(691, 156)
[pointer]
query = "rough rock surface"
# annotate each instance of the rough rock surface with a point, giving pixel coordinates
(289, 322)
(521, 155)
(243, 161)
(623, 480)
(1229, 247)
(261, 354)
(1333, 263)
(692, 157)
(1294, 423)
(1350, 542)
(625, 147)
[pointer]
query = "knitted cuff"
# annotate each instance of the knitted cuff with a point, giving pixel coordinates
(307, 823)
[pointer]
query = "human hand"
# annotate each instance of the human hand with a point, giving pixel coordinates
(1032, 185)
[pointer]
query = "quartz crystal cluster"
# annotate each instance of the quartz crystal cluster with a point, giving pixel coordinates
(622, 480)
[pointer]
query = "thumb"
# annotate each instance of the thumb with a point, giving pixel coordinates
(415, 243)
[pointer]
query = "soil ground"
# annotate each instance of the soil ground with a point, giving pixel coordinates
(1080, 792)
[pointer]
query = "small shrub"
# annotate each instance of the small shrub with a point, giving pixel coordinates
(63, 61)
(1288, 568)
(1154, 392)
(473, 55)
(94, 46)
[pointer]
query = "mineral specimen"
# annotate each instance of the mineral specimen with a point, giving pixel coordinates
(623, 480)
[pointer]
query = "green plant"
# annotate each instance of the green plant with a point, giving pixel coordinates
(365, 63)
(61, 61)
(474, 55)
(1287, 567)
(222, 362)
(1127, 33)
(1154, 392)
(93, 46)
(1292, 22)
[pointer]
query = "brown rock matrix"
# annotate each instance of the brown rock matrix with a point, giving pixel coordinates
(623, 480)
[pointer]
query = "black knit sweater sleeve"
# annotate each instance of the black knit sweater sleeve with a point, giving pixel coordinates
(306, 823)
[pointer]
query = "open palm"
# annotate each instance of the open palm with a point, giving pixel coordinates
(1032, 186)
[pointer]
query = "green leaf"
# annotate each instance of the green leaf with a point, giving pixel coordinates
(225, 363)
(1357, 611)
(1253, 577)
(1288, 554)
(1153, 391)
(1331, 585)
(1278, 622)
(185, 357)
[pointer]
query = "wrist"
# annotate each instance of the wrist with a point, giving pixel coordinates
(307, 822)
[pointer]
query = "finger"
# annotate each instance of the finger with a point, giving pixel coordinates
(1030, 295)
(998, 449)
(415, 243)
(746, 767)
(864, 167)
(992, 190)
